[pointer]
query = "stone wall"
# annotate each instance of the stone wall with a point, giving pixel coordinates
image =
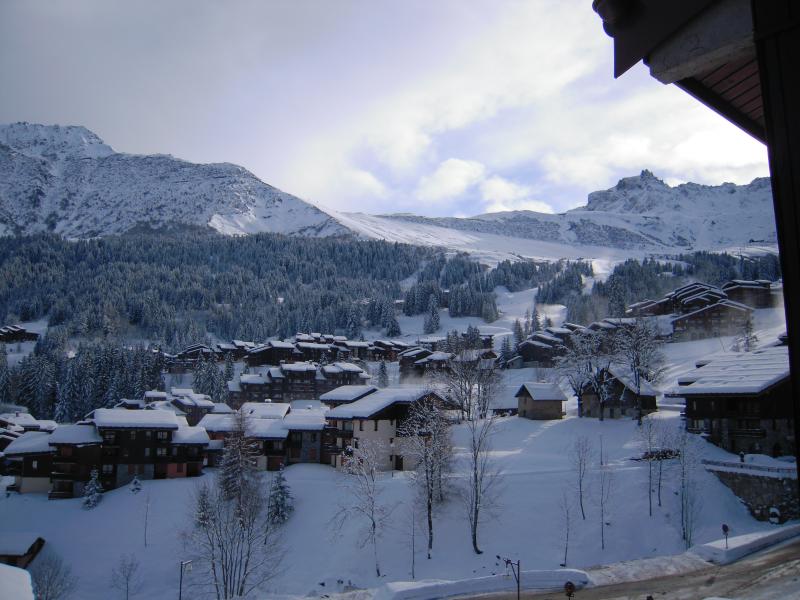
(760, 493)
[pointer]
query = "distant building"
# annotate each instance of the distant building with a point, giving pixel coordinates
(540, 401)
(12, 334)
(623, 399)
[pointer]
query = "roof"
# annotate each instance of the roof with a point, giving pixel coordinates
(217, 423)
(309, 419)
(190, 435)
(378, 401)
(30, 442)
(626, 378)
(15, 583)
(117, 418)
(220, 408)
(17, 543)
(736, 373)
(251, 379)
(75, 435)
(265, 410)
(542, 391)
(726, 303)
(348, 393)
(342, 367)
(298, 366)
(267, 429)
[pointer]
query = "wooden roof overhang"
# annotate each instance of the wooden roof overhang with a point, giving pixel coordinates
(731, 87)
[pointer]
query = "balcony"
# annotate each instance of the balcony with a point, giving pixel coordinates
(749, 433)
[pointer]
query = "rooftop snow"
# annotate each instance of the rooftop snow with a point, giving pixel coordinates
(543, 391)
(737, 373)
(251, 379)
(220, 408)
(298, 366)
(342, 367)
(190, 435)
(15, 583)
(75, 435)
(377, 401)
(17, 543)
(115, 418)
(267, 429)
(347, 393)
(265, 410)
(626, 379)
(30, 442)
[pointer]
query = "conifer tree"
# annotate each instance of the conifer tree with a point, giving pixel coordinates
(5, 378)
(519, 334)
(93, 491)
(136, 485)
(281, 503)
(383, 375)
(536, 321)
(229, 371)
(432, 320)
(393, 328)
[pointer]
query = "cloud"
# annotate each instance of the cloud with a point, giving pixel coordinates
(500, 194)
(452, 178)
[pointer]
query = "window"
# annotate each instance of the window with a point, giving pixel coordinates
(34, 464)
(163, 435)
(180, 467)
(360, 425)
(161, 451)
(313, 437)
(147, 451)
(109, 437)
(148, 435)
(174, 451)
(108, 469)
(133, 435)
(376, 424)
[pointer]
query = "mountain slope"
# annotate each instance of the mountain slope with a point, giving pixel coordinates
(66, 180)
(639, 214)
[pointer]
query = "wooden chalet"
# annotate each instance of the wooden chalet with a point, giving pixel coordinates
(377, 417)
(757, 294)
(540, 401)
(272, 353)
(13, 334)
(408, 358)
(622, 397)
(742, 401)
(77, 451)
(722, 318)
(192, 405)
(29, 459)
(346, 394)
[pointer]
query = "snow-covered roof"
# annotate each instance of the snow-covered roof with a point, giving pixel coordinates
(75, 435)
(378, 401)
(166, 406)
(19, 418)
(135, 403)
(190, 435)
(30, 442)
(151, 395)
(116, 418)
(437, 356)
(233, 386)
(220, 408)
(348, 393)
(217, 423)
(625, 377)
(251, 379)
(265, 410)
(352, 344)
(192, 398)
(282, 345)
(15, 583)
(727, 303)
(542, 391)
(275, 373)
(342, 367)
(267, 429)
(16, 543)
(305, 420)
(558, 330)
(313, 346)
(412, 352)
(737, 373)
(299, 367)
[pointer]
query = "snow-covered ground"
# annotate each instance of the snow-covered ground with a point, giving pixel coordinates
(526, 524)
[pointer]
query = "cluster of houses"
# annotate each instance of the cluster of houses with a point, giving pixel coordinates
(698, 310)
(176, 434)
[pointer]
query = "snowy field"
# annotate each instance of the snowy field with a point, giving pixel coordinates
(526, 524)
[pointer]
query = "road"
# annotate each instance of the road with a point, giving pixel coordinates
(766, 575)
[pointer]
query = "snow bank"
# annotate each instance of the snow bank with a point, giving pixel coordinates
(436, 588)
(742, 545)
(15, 583)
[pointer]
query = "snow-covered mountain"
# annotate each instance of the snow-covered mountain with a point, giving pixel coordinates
(639, 214)
(66, 180)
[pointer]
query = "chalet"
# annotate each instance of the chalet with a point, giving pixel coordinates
(305, 425)
(536, 353)
(313, 351)
(540, 401)
(408, 358)
(186, 360)
(562, 333)
(26, 422)
(645, 308)
(386, 350)
(432, 342)
(742, 401)
(272, 353)
(345, 394)
(435, 362)
(9, 434)
(487, 340)
(29, 459)
(622, 396)
(12, 334)
(77, 451)
(355, 349)
(150, 444)
(18, 549)
(193, 405)
(723, 318)
(757, 294)
(377, 418)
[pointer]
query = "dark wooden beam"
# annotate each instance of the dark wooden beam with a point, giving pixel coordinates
(777, 36)
(718, 104)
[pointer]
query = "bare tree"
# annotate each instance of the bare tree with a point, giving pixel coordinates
(52, 579)
(126, 577)
(566, 508)
(688, 464)
(365, 502)
(648, 435)
(580, 456)
(426, 443)
(664, 437)
(576, 364)
(233, 539)
(469, 383)
(639, 351)
(605, 490)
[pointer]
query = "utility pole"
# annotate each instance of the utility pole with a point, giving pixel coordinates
(187, 565)
(515, 569)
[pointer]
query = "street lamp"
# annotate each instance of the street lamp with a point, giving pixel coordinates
(514, 569)
(187, 566)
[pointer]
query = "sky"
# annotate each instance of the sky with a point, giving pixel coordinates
(443, 108)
